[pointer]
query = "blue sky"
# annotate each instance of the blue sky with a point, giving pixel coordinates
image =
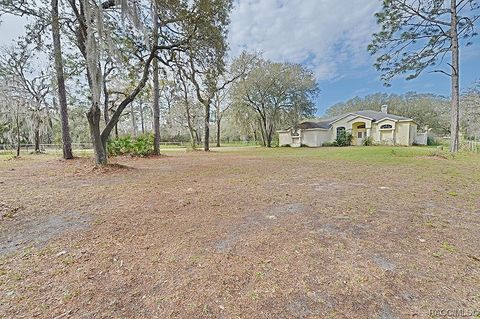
(365, 80)
(331, 37)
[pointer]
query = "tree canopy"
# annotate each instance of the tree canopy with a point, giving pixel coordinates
(277, 93)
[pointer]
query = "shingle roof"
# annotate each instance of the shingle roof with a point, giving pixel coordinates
(316, 124)
(374, 115)
(377, 116)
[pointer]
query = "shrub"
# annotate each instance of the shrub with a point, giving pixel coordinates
(368, 141)
(141, 146)
(344, 138)
(119, 146)
(432, 141)
(328, 144)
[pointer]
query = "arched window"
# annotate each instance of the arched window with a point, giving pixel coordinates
(386, 127)
(361, 126)
(340, 130)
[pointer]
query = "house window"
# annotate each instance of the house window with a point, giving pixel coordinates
(386, 127)
(340, 130)
(361, 126)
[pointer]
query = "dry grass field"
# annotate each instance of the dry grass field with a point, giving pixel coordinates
(376, 232)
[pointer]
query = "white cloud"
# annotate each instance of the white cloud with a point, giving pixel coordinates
(330, 36)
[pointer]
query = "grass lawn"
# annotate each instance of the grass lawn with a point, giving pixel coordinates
(357, 232)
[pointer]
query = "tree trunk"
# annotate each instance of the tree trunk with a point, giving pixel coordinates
(142, 121)
(193, 137)
(454, 127)
(156, 89)
(191, 129)
(218, 127)
(106, 114)
(50, 124)
(134, 122)
(112, 109)
(270, 136)
(197, 137)
(206, 142)
(263, 130)
(37, 140)
(62, 95)
(129, 99)
(18, 133)
(99, 145)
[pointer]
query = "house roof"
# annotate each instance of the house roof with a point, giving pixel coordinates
(373, 115)
(316, 124)
(377, 116)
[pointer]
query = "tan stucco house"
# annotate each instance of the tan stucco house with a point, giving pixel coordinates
(384, 128)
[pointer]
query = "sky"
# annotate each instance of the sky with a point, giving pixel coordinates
(328, 36)
(331, 37)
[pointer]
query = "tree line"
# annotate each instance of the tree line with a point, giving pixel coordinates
(428, 110)
(91, 69)
(119, 62)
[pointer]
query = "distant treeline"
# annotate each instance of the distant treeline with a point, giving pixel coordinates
(426, 109)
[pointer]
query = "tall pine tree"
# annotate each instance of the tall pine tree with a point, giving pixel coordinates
(420, 34)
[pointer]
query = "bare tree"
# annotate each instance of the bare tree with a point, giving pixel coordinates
(44, 14)
(188, 109)
(16, 63)
(14, 110)
(219, 100)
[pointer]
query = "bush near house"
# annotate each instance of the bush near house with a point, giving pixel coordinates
(368, 141)
(141, 146)
(432, 140)
(344, 138)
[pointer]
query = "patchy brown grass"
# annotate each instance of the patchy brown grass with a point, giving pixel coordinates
(243, 234)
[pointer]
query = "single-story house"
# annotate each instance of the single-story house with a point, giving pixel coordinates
(382, 127)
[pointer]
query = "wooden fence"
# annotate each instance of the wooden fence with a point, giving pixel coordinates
(472, 146)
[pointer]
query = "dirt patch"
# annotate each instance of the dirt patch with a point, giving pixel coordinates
(434, 156)
(79, 167)
(235, 235)
(383, 263)
(19, 234)
(110, 168)
(260, 221)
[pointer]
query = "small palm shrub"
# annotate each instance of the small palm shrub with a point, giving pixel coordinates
(141, 146)
(120, 146)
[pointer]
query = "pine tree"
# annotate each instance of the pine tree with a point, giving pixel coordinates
(420, 34)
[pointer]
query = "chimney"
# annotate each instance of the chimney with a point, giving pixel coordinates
(385, 109)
